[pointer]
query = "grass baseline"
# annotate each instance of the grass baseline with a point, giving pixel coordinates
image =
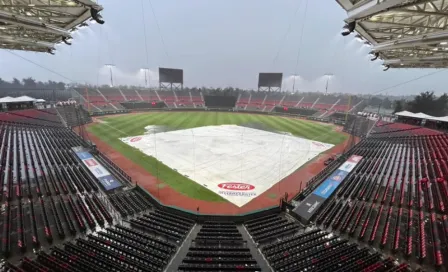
(117, 127)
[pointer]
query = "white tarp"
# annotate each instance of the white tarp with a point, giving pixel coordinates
(421, 115)
(238, 163)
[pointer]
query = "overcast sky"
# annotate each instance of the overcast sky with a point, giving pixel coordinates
(221, 43)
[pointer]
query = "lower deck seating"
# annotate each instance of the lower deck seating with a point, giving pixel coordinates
(383, 129)
(45, 117)
(116, 249)
(270, 227)
(129, 202)
(74, 115)
(219, 246)
(48, 194)
(317, 250)
(168, 225)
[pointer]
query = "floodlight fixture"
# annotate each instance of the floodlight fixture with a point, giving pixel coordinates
(359, 38)
(375, 56)
(66, 40)
(96, 16)
(50, 51)
(386, 67)
(328, 76)
(294, 76)
(348, 28)
(110, 66)
(146, 71)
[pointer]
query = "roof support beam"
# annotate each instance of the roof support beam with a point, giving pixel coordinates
(32, 24)
(15, 40)
(419, 40)
(422, 12)
(38, 6)
(391, 25)
(408, 60)
(371, 8)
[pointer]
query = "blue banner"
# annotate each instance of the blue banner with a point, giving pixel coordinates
(105, 178)
(109, 182)
(84, 155)
(325, 190)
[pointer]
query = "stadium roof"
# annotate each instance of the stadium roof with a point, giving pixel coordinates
(37, 25)
(404, 33)
(421, 116)
(9, 99)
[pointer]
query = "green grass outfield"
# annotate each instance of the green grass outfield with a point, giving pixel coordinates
(134, 124)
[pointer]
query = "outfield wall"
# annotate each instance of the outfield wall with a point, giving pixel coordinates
(325, 120)
(201, 218)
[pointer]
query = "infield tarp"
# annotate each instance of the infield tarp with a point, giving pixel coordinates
(308, 207)
(106, 179)
(238, 163)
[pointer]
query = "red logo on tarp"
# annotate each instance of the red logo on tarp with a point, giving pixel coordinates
(235, 186)
(135, 139)
(90, 162)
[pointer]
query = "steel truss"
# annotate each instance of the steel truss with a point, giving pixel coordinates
(38, 25)
(171, 86)
(403, 33)
(269, 89)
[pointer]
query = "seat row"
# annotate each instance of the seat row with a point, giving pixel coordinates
(42, 117)
(270, 227)
(114, 249)
(74, 115)
(219, 246)
(396, 198)
(40, 222)
(317, 250)
(165, 224)
(42, 163)
(129, 202)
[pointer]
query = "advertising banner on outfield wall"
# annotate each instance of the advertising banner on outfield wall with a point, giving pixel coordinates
(308, 207)
(106, 179)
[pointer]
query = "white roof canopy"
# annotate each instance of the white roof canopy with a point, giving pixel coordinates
(19, 99)
(421, 115)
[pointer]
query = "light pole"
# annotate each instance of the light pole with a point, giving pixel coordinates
(328, 76)
(111, 75)
(146, 71)
(294, 76)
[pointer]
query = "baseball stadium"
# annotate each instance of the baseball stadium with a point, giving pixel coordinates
(171, 177)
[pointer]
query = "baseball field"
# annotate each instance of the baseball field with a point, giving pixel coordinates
(214, 147)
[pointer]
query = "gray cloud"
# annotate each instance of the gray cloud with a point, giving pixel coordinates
(221, 43)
